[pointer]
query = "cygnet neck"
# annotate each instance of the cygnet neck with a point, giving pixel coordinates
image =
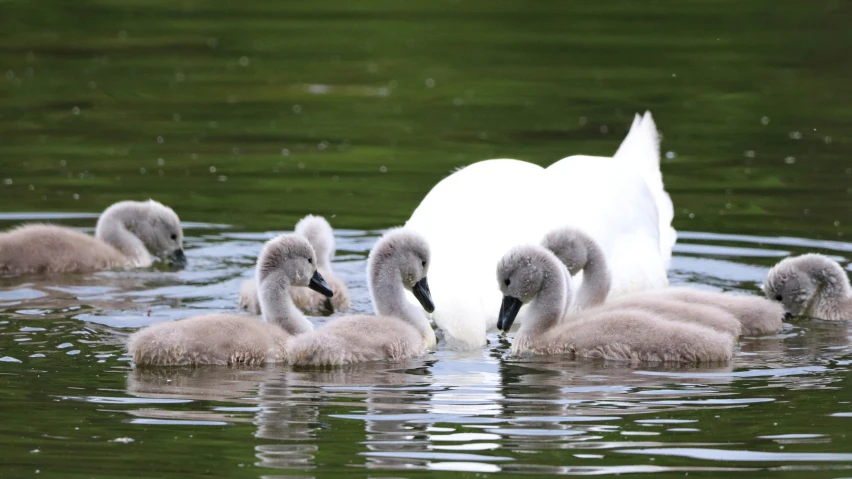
(276, 305)
(388, 293)
(548, 307)
(113, 229)
(596, 277)
(833, 296)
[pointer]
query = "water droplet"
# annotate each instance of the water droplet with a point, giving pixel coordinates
(335, 178)
(160, 140)
(176, 117)
(383, 169)
(749, 154)
(7, 181)
(75, 110)
(75, 196)
(604, 129)
(161, 162)
(223, 178)
(458, 101)
(301, 166)
(297, 109)
(212, 169)
(235, 151)
(285, 152)
(849, 171)
(193, 156)
(93, 85)
(727, 206)
(161, 173)
(836, 223)
(244, 61)
(790, 160)
(32, 187)
(322, 145)
(393, 84)
(430, 83)
(796, 135)
(583, 120)
(142, 171)
(674, 75)
(180, 77)
(691, 215)
(671, 155)
(764, 120)
(827, 140)
(62, 163)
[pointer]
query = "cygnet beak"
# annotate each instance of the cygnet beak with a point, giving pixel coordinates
(319, 285)
(508, 312)
(423, 295)
(177, 258)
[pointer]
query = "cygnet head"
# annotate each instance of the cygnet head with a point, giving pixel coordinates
(522, 274)
(797, 281)
(569, 245)
(406, 253)
(156, 225)
(319, 233)
(289, 259)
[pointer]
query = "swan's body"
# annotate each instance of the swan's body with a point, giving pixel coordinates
(734, 314)
(220, 339)
(214, 339)
(533, 275)
(128, 234)
(319, 233)
(473, 216)
(398, 262)
(810, 285)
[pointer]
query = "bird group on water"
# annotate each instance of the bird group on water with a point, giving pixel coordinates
(572, 258)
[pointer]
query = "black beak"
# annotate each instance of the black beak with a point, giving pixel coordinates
(508, 311)
(319, 285)
(177, 258)
(787, 316)
(421, 292)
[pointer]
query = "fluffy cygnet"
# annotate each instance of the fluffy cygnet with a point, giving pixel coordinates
(533, 275)
(319, 233)
(734, 314)
(810, 285)
(128, 234)
(285, 261)
(398, 262)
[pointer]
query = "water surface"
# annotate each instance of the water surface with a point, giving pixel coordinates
(246, 116)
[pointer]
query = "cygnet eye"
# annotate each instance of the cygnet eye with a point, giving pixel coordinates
(507, 281)
(311, 260)
(423, 263)
(778, 297)
(174, 236)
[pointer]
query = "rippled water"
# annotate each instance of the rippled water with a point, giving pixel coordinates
(68, 389)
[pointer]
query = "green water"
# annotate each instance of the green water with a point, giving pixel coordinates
(244, 116)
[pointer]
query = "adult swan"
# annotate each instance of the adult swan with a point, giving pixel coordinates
(471, 218)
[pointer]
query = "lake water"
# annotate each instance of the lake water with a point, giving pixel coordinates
(244, 117)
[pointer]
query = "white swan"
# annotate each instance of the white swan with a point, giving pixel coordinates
(219, 339)
(319, 234)
(810, 285)
(473, 216)
(533, 275)
(128, 234)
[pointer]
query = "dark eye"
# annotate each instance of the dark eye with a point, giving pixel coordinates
(507, 281)
(174, 237)
(778, 298)
(311, 260)
(424, 264)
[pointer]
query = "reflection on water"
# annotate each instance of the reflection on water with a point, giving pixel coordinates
(782, 404)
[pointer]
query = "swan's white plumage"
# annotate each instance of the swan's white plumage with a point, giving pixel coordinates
(473, 216)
